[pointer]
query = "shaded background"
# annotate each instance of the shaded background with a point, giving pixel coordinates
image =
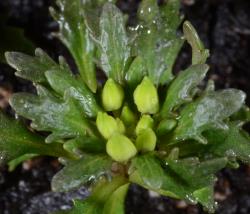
(223, 25)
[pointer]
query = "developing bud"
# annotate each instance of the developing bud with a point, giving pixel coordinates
(166, 126)
(145, 122)
(121, 127)
(146, 141)
(106, 124)
(120, 148)
(127, 116)
(146, 97)
(112, 95)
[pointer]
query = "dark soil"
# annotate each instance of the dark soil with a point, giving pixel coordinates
(224, 26)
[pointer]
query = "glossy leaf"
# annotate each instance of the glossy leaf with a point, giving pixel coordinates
(107, 197)
(135, 73)
(205, 196)
(149, 170)
(62, 81)
(86, 207)
(29, 67)
(156, 43)
(113, 43)
(180, 89)
(48, 113)
(207, 112)
(86, 144)
(232, 143)
(185, 179)
(79, 172)
(116, 202)
(199, 53)
(18, 143)
(74, 34)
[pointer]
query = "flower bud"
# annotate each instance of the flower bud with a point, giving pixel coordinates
(127, 116)
(146, 141)
(146, 97)
(106, 124)
(112, 95)
(121, 127)
(166, 126)
(120, 148)
(145, 122)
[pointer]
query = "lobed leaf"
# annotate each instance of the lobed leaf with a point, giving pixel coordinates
(233, 143)
(186, 179)
(113, 43)
(29, 67)
(18, 143)
(180, 89)
(199, 53)
(66, 85)
(75, 35)
(63, 118)
(208, 111)
(157, 42)
(79, 172)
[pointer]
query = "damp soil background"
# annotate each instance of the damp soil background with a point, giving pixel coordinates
(224, 26)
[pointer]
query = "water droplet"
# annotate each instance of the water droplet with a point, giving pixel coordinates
(190, 198)
(16, 116)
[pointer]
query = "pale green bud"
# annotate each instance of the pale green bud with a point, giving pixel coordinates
(166, 126)
(146, 141)
(112, 95)
(127, 116)
(146, 97)
(120, 148)
(146, 122)
(106, 124)
(121, 127)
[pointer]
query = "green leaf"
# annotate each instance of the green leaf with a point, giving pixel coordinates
(113, 43)
(86, 144)
(29, 67)
(242, 116)
(149, 170)
(180, 89)
(209, 111)
(81, 171)
(115, 203)
(185, 179)
(74, 34)
(18, 143)
(170, 12)
(102, 200)
(62, 81)
(199, 53)
(48, 113)
(86, 207)
(205, 196)
(135, 73)
(15, 162)
(157, 42)
(232, 143)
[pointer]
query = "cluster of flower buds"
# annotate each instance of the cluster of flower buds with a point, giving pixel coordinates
(129, 132)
